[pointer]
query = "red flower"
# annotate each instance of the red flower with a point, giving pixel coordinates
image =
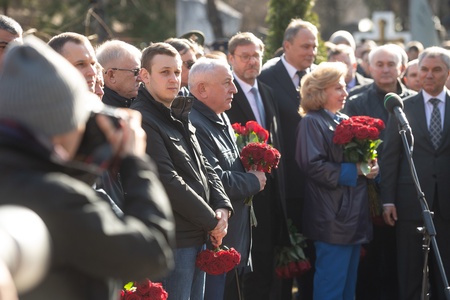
(261, 157)
(217, 261)
(291, 261)
(303, 266)
(251, 132)
(143, 287)
(132, 296)
(143, 290)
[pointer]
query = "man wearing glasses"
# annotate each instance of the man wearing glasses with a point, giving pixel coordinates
(255, 100)
(10, 31)
(121, 63)
(187, 53)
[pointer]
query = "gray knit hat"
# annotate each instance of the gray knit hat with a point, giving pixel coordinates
(42, 90)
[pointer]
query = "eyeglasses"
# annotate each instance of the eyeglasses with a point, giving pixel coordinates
(188, 64)
(134, 71)
(246, 58)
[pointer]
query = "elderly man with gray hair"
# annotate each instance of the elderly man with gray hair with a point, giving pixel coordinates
(121, 63)
(211, 82)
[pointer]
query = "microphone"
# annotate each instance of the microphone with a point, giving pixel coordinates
(394, 104)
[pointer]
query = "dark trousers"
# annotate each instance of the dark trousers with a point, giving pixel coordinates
(411, 257)
(377, 273)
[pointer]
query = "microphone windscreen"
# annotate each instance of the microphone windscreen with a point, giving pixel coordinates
(392, 100)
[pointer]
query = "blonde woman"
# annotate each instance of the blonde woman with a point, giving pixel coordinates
(336, 209)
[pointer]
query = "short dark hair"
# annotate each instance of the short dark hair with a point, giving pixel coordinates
(58, 41)
(154, 49)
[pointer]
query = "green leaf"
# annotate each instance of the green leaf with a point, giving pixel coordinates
(128, 286)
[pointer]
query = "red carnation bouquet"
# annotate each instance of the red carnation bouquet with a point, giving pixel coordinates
(218, 261)
(255, 153)
(143, 290)
(250, 133)
(291, 261)
(360, 137)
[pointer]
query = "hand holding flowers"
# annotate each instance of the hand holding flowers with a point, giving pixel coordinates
(360, 137)
(256, 154)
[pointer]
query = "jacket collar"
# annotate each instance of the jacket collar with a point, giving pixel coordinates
(114, 99)
(180, 108)
(208, 112)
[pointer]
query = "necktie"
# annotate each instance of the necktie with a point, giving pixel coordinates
(260, 106)
(300, 76)
(435, 123)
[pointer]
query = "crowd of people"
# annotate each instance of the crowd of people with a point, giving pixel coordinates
(130, 159)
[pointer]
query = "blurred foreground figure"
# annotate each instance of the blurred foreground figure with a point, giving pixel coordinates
(25, 250)
(46, 113)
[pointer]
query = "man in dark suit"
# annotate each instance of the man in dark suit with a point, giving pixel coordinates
(377, 275)
(254, 101)
(283, 75)
(429, 115)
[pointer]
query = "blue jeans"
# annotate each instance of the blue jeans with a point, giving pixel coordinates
(186, 281)
(336, 271)
(215, 286)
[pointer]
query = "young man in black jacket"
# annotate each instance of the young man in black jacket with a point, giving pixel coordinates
(199, 202)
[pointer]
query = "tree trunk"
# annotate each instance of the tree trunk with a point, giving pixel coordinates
(214, 19)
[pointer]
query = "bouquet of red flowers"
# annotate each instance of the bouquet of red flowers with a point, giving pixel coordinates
(260, 157)
(250, 133)
(218, 261)
(255, 153)
(143, 290)
(291, 261)
(359, 135)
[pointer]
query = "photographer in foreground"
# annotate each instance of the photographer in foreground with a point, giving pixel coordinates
(44, 108)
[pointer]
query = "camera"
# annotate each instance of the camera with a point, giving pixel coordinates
(94, 147)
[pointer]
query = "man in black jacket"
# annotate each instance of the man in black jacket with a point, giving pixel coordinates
(44, 108)
(211, 82)
(283, 74)
(199, 202)
(377, 277)
(245, 53)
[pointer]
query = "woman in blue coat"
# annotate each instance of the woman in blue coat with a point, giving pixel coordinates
(336, 210)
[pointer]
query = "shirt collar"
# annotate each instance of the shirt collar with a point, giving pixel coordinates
(441, 96)
(244, 85)
(292, 71)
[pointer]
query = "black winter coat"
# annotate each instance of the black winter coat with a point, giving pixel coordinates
(217, 140)
(195, 191)
(93, 251)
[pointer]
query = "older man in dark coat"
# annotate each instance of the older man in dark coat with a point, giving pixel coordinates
(211, 82)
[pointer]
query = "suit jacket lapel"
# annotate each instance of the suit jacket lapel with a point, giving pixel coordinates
(446, 128)
(286, 82)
